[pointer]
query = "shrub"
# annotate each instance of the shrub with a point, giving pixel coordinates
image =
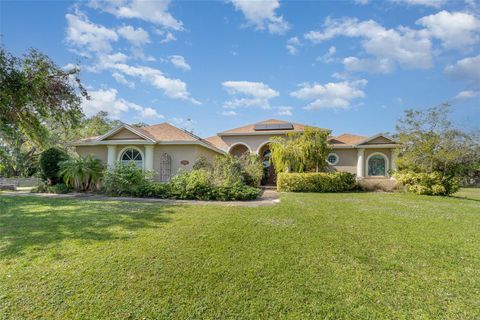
(237, 192)
(82, 173)
(49, 163)
(428, 183)
(194, 184)
(387, 185)
(153, 190)
(59, 188)
(252, 169)
(202, 163)
(124, 180)
(316, 182)
(227, 171)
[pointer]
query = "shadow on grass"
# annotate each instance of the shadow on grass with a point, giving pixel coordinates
(30, 222)
(465, 198)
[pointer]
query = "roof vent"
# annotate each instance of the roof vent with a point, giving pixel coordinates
(273, 126)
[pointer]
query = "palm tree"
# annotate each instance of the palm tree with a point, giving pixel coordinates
(83, 173)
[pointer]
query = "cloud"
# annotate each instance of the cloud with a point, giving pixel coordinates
(285, 111)
(169, 37)
(369, 65)
(427, 3)
(328, 57)
(292, 45)
(121, 79)
(179, 62)
(255, 94)
(137, 37)
(82, 34)
(261, 15)
(173, 88)
(107, 100)
(467, 94)
(456, 30)
(335, 95)
(151, 11)
(229, 113)
(404, 46)
(467, 69)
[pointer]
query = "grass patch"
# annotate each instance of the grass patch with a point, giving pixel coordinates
(468, 193)
(355, 256)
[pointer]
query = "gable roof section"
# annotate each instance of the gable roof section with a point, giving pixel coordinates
(377, 139)
(346, 139)
(249, 129)
(217, 142)
(142, 135)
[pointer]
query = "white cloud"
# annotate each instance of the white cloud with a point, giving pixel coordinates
(261, 15)
(179, 62)
(121, 79)
(292, 45)
(229, 113)
(107, 100)
(328, 57)
(467, 94)
(173, 88)
(331, 95)
(151, 11)
(369, 65)
(137, 37)
(256, 94)
(403, 46)
(285, 111)
(467, 69)
(168, 38)
(86, 35)
(456, 30)
(427, 3)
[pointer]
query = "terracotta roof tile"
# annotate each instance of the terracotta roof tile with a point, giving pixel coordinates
(346, 139)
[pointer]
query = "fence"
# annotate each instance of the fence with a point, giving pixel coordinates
(21, 182)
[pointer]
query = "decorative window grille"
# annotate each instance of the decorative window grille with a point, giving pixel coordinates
(165, 167)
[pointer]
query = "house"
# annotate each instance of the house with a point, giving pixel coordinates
(166, 149)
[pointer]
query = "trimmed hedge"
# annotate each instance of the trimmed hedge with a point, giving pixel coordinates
(434, 183)
(316, 182)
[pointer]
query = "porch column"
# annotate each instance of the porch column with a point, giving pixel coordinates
(111, 155)
(360, 163)
(149, 158)
(393, 160)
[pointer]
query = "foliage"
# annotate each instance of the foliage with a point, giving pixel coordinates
(316, 182)
(49, 163)
(59, 188)
(123, 180)
(152, 189)
(18, 158)
(236, 193)
(36, 91)
(227, 171)
(434, 183)
(301, 152)
(82, 173)
(252, 169)
(194, 184)
(202, 163)
(432, 144)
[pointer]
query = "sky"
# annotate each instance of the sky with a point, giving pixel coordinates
(208, 66)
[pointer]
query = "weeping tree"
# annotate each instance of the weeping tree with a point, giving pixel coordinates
(301, 152)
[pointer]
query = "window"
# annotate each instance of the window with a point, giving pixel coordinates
(132, 155)
(377, 165)
(332, 159)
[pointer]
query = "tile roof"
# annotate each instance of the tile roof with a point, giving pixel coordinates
(249, 128)
(217, 142)
(346, 139)
(166, 132)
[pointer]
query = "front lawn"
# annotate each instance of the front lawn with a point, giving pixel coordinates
(327, 256)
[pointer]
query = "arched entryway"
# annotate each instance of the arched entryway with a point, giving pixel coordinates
(377, 165)
(238, 150)
(269, 175)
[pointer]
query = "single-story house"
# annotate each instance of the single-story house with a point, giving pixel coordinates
(165, 149)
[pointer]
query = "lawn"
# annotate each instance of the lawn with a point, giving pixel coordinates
(327, 256)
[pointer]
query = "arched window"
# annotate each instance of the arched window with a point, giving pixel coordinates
(377, 165)
(132, 155)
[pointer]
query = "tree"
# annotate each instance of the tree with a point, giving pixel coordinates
(82, 173)
(301, 152)
(50, 165)
(432, 144)
(35, 91)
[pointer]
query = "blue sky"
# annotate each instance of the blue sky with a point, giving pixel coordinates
(351, 66)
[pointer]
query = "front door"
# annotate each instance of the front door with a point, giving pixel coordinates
(269, 175)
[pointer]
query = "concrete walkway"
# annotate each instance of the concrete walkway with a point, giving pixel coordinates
(267, 198)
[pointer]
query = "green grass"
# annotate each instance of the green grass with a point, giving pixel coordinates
(468, 193)
(326, 256)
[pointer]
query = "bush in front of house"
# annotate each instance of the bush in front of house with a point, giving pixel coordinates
(252, 169)
(316, 182)
(433, 183)
(194, 184)
(82, 173)
(49, 163)
(125, 180)
(236, 192)
(59, 188)
(153, 189)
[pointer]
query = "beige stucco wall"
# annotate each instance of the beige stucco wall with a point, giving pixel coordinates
(347, 160)
(252, 141)
(125, 134)
(99, 152)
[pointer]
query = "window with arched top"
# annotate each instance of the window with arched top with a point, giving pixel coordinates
(165, 167)
(377, 165)
(132, 155)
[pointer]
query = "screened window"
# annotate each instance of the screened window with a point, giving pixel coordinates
(132, 155)
(377, 166)
(332, 159)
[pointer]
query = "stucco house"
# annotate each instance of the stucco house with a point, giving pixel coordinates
(166, 149)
